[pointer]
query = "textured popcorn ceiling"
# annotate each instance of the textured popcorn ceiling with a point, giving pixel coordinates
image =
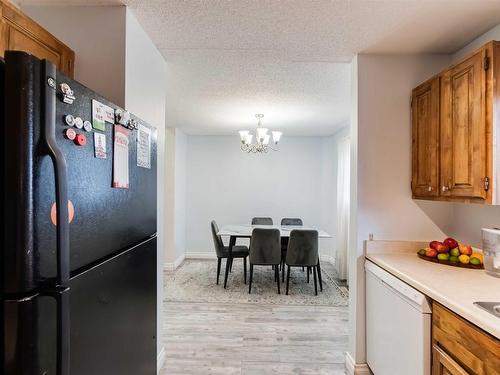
(230, 59)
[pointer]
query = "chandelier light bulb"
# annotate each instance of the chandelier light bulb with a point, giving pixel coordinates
(262, 138)
(276, 137)
(248, 139)
(243, 135)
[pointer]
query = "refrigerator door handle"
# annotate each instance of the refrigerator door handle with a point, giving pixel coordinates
(61, 295)
(48, 119)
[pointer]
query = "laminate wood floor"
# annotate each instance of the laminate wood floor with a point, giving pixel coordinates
(248, 339)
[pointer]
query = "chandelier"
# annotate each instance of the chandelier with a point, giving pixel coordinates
(261, 138)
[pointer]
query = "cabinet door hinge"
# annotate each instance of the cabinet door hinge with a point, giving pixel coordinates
(486, 183)
(486, 63)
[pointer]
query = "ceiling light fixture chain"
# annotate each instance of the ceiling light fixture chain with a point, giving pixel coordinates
(262, 139)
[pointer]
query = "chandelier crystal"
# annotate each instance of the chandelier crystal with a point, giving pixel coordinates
(262, 138)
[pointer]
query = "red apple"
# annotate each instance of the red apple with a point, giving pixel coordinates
(451, 243)
(433, 244)
(441, 248)
(432, 253)
(465, 249)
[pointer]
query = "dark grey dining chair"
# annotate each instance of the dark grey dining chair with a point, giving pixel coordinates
(262, 221)
(265, 250)
(303, 252)
(287, 221)
(291, 221)
(223, 252)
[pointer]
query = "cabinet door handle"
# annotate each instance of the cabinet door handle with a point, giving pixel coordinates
(429, 188)
(444, 188)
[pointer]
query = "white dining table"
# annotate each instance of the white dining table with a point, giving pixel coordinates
(245, 230)
(234, 231)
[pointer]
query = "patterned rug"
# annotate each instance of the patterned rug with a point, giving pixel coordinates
(195, 281)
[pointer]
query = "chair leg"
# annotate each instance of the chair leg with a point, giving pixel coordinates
(231, 265)
(277, 275)
(245, 270)
(219, 261)
(228, 264)
(307, 271)
(319, 277)
(302, 269)
(287, 278)
(315, 282)
(283, 270)
(250, 281)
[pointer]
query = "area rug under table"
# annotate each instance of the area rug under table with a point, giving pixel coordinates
(195, 281)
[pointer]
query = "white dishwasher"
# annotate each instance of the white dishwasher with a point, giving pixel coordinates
(398, 325)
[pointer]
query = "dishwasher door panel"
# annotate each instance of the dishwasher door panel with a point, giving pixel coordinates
(398, 333)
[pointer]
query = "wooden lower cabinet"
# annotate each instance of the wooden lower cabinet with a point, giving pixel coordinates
(459, 347)
(443, 364)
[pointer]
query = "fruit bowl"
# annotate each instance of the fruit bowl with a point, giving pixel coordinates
(452, 253)
(454, 264)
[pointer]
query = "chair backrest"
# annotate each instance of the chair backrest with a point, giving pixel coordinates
(291, 221)
(262, 221)
(265, 246)
(218, 244)
(302, 248)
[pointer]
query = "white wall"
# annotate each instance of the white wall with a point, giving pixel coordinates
(97, 35)
(230, 186)
(145, 96)
(384, 204)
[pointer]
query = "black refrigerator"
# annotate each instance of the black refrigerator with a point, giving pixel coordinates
(78, 256)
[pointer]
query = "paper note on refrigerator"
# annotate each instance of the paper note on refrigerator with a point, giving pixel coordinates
(143, 146)
(120, 158)
(101, 113)
(100, 145)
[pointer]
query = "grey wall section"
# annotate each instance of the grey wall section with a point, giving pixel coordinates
(97, 35)
(230, 186)
(382, 136)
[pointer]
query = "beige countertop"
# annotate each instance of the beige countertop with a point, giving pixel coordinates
(453, 287)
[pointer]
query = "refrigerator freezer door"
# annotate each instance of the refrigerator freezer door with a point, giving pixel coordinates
(113, 315)
(29, 339)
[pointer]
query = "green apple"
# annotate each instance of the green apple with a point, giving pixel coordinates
(443, 256)
(455, 252)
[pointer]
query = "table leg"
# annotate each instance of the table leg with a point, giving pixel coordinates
(232, 241)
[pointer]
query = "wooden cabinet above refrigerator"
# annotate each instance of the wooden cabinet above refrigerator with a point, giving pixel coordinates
(455, 121)
(19, 32)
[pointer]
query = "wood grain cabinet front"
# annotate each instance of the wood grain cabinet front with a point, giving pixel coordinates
(425, 139)
(459, 347)
(21, 33)
(461, 104)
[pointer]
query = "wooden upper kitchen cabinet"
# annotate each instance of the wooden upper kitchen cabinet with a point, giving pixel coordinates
(19, 32)
(463, 128)
(425, 135)
(466, 117)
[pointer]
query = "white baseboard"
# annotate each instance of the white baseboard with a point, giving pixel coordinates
(352, 368)
(160, 360)
(200, 255)
(173, 266)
